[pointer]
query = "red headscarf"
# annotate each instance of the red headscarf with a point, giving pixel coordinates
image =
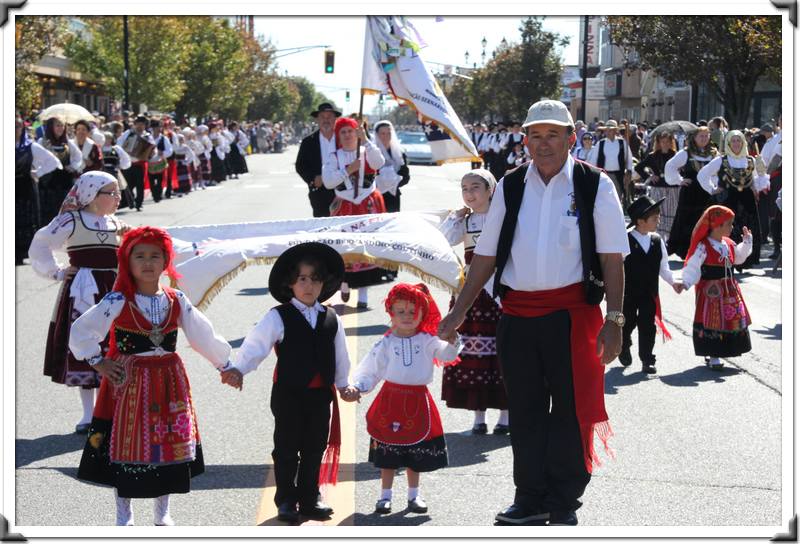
(713, 217)
(342, 122)
(142, 235)
(421, 298)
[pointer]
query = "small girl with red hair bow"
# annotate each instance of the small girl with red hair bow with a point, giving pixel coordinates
(403, 422)
(143, 438)
(721, 317)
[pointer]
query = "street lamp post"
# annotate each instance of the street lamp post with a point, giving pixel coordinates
(466, 57)
(126, 97)
(483, 50)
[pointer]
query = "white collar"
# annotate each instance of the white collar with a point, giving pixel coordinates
(304, 308)
(565, 172)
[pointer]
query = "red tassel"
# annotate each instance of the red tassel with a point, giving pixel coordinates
(665, 335)
(329, 470)
(604, 433)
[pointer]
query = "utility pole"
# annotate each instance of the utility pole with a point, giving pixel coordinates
(126, 103)
(582, 114)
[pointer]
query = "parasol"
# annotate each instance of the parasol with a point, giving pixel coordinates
(67, 113)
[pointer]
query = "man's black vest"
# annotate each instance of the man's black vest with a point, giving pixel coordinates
(305, 351)
(601, 156)
(642, 269)
(586, 180)
(111, 161)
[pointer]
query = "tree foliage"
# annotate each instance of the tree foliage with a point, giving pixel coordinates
(728, 54)
(35, 37)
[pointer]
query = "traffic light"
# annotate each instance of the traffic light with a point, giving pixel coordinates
(329, 62)
(380, 98)
(347, 96)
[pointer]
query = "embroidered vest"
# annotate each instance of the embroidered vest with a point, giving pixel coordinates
(133, 331)
(713, 268)
(92, 248)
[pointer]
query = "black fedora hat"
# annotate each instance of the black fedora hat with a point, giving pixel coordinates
(641, 207)
(325, 106)
(285, 264)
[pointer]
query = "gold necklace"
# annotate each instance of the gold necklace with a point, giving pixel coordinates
(156, 333)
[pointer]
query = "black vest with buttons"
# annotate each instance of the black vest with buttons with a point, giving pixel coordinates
(641, 269)
(305, 351)
(585, 180)
(601, 155)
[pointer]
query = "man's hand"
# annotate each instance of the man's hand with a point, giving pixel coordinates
(685, 182)
(448, 326)
(609, 342)
(354, 166)
(232, 377)
(317, 182)
(110, 369)
(679, 288)
(350, 393)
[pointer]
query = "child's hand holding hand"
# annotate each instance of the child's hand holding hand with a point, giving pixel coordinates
(232, 377)
(678, 287)
(747, 235)
(350, 393)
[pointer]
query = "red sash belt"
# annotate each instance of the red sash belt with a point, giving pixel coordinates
(587, 370)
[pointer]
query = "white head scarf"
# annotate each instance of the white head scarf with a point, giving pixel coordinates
(728, 137)
(85, 190)
(485, 175)
(394, 145)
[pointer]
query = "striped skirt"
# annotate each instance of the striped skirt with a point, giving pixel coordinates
(668, 207)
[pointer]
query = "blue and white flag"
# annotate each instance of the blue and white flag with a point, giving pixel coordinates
(393, 65)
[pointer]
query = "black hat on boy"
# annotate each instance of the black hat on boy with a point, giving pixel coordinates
(286, 263)
(641, 207)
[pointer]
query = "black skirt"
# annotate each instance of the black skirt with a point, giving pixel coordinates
(238, 164)
(708, 343)
(425, 456)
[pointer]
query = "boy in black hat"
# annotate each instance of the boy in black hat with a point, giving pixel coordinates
(310, 343)
(647, 261)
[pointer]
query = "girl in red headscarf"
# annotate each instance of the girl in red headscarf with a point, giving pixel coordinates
(721, 317)
(403, 422)
(351, 172)
(143, 438)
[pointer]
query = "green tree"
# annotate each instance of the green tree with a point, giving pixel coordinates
(158, 53)
(35, 37)
(728, 54)
(310, 98)
(277, 100)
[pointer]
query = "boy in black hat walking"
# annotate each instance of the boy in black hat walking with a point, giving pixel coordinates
(312, 354)
(647, 261)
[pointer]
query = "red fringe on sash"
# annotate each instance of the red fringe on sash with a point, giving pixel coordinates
(665, 335)
(329, 469)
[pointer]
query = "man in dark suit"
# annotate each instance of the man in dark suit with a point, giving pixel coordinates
(314, 150)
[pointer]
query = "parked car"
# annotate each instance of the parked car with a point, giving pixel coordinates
(416, 147)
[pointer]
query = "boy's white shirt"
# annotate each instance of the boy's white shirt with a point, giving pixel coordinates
(644, 241)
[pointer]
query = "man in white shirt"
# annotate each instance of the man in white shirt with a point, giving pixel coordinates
(555, 254)
(314, 151)
(613, 155)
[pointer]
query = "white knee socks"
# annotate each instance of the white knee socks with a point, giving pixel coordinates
(87, 401)
(480, 417)
(362, 295)
(124, 510)
(503, 419)
(161, 511)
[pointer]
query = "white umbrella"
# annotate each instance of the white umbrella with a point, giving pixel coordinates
(67, 113)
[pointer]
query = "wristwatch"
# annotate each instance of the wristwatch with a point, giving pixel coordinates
(92, 361)
(617, 318)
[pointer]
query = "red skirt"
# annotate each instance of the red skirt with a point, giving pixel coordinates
(403, 415)
(372, 204)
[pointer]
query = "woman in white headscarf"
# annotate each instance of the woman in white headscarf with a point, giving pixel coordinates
(394, 173)
(734, 180)
(89, 232)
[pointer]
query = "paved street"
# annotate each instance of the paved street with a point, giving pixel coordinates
(693, 447)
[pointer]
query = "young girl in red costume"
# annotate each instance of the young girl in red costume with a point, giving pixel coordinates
(403, 421)
(143, 438)
(721, 317)
(353, 179)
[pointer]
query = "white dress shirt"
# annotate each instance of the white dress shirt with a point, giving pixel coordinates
(611, 152)
(405, 361)
(672, 170)
(772, 148)
(269, 331)
(644, 241)
(334, 171)
(709, 181)
(546, 250)
(326, 147)
(124, 158)
(44, 162)
(75, 155)
(692, 269)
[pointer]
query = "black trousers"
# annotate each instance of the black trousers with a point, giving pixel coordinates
(640, 313)
(167, 177)
(321, 202)
(392, 202)
(157, 184)
(618, 177)
(535, 355)
(301, 435)
(135, 178)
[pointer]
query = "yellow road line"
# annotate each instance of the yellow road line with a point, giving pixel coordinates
(342, 496)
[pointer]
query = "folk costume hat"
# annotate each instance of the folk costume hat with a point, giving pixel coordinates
(713, 217)
(420, 296)
(341, 123)
(729, 136)
(641, 207)
(85, 189)
(142, 235)
(287, 261)
(325, 106)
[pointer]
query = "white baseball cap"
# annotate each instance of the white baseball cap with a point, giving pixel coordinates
(551, 112)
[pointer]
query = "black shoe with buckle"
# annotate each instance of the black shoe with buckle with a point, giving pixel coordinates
(479, 428)
(500, 429)
(563, 517)
(288, 512)
(625, 358)
(519, 515)
(345, 296)
(417, 505)
(649, 367)
(319, 510)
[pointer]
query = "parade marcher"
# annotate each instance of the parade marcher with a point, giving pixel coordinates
(91, 152)
(314, 151)
(552, 340)
(350, 172)
(184, 158)
(89, 232)
(516, 157)
(721, 319)
(476, 382)
(719, 128)
(478, 135)
(682, 170)
(581, 151)
(238, 163)
(158, 165)
(140, 145)
(647, 261)
(205, 155)
(54, 186)
(614, 157)
(499, 143)
(115, 160)
(394, 173)
(772, 155)
(142, 374)
(733, 181)
(219, 172)
(651, 171)
(403, 422)
(170, 178)
(312, 365)
(31, 162)
(488, 147)
(514, 138)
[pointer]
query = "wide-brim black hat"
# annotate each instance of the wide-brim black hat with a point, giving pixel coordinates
(325, 106)
(641, 207)
(285, 264)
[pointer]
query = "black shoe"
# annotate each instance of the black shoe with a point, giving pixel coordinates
(345, 297)
(500, 429)
(775, 254)
(288, 512)
(417, 505)
(563, 517)
(649, 368)
(383, 506)
(82, 428)
(519, 515)
(480, 428)
(625, 358)
(319, 510)
(361, 305)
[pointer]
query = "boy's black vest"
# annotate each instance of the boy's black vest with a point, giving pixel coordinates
(641, 269)
(305, 351)
(601, 155)
(585, 180)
